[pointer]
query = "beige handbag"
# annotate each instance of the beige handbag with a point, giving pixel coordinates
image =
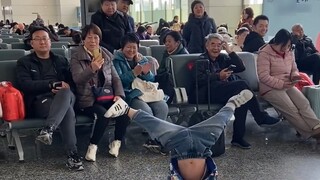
(150, 90)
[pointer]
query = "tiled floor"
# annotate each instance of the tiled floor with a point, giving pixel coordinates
(282, 157)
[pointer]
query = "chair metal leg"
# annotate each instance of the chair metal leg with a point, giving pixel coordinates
(17, 140)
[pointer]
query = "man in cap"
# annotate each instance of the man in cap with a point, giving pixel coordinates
(123, 6)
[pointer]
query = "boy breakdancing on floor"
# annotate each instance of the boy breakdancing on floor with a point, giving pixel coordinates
(189, 146)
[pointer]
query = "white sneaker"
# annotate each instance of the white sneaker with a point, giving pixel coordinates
(91, 153)
(243, 97)
(119, 108)
(114, 148)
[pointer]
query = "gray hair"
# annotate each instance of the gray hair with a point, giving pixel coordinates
(211, 36)
(296, 25)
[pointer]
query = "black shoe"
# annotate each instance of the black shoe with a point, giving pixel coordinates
(241, 144)
(267, 120)
(154, 147)
(74, 162)
(45, 136)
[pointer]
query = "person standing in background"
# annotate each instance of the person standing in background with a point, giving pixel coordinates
(198, 26)
(113, 24)
(246, 17)
(123, 6)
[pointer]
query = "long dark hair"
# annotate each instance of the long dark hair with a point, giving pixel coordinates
(282, 37)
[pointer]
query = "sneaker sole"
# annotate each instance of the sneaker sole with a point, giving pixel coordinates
(238, 145)
(76, 168)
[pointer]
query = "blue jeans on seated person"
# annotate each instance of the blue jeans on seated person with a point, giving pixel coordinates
(158, 109)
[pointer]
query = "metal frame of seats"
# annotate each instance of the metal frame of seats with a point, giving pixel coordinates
(7, 73)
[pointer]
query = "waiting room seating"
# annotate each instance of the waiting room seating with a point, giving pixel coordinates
(10, 40)
(18, 36)
(61, 51)
(7, 73)
(157, 51)
(59, 44)
(11, 54)
(66, 39)
(148, 43)
(18, 45)
(4, 46)
(146, 51)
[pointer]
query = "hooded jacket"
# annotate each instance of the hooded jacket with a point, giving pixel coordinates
(303, 47)
(126, 74)
(274, 70)
(253, 42)
(82, 75)
(195, 30)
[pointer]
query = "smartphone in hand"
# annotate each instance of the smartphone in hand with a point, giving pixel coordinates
(232, 67)
(97, 53)
(57, 84)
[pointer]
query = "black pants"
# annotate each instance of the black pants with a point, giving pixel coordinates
(58, 111)
(311, 64)
(102, 122)
(221, 95)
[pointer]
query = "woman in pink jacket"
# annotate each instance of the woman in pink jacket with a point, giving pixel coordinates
(278, 74)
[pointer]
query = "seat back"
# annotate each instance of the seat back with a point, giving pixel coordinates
(11, 54)
(18, 36)
(250, 75)
(148, 43)
(10, 40)
(65, 39)
(4, 46)
(61, 51)
(18, 45)
(180, 72)
(59, 44)
(8, 71)
(157, 51)
(144, 50)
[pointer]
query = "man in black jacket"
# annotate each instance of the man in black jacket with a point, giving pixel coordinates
(307, 56)
(255, 40)
(44, 78)
(113, 24)
(223, 85)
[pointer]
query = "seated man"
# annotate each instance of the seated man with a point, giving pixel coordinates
(44, 79)
(223, 85)
(254, 39)
(307, 56)
(189, 146)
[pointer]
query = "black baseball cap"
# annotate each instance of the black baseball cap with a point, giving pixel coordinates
(129, 1)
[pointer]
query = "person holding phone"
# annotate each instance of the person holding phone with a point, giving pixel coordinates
(223, 86)
(130, 65)
(278, 74)
(45, 79)
(91, 67)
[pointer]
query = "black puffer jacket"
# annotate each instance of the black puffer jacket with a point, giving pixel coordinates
(195, 30)
(30, 77)
(303, 47)
(253, 42)
(113, 28)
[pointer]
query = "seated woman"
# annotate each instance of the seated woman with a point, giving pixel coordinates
(174, 45)
(278, 74)
(90, 69)
(130, 65)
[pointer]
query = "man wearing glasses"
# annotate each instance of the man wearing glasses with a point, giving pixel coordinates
(44, 79)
